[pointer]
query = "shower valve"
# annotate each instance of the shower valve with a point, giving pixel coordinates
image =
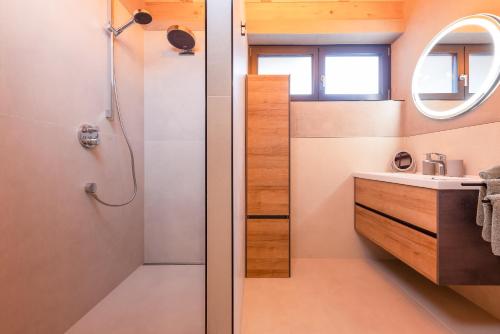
(88, 135)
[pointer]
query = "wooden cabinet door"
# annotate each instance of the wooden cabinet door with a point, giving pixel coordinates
(268, 248)
(268, 145)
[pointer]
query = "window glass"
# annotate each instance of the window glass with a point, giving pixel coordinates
(438, 74)
(298, 67)
(346, 75)
(479, 66)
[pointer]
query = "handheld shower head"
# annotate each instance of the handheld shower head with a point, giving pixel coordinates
(140, 16)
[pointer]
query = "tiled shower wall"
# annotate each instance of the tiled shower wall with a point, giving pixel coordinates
(60, 251)
(174, 132)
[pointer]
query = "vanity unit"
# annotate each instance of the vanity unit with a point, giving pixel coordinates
(268, 176)
(429, 223)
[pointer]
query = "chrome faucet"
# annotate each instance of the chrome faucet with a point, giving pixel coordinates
(439, 160)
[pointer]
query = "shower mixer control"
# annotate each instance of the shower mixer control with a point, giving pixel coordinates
(88, 135)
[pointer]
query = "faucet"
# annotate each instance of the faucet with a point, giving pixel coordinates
(440, 161)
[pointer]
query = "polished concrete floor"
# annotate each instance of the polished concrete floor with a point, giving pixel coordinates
(327, 296)
(166, 299)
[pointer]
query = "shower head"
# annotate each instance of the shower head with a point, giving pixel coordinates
(181, 38)
(140, 16)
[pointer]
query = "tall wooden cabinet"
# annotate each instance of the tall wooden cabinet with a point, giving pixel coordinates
(268, 176)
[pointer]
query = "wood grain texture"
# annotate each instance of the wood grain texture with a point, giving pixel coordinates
(268, 145)
(324, 17)
(189, 13)
(416, 249)
(268, 248)
(319, 10)
(417, 206)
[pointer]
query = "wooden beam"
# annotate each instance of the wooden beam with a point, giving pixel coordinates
(362, 10)
(325, 17)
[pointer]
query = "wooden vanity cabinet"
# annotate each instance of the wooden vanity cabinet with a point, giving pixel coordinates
(268, 176)
(432, 231)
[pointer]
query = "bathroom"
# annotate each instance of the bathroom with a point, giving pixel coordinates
(249, 166)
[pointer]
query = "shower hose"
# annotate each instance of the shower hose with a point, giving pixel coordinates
(92, 188)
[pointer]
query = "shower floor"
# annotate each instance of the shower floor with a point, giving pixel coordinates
(152, 300)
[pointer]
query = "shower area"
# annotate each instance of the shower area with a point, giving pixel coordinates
(103, 200)
(166, 293)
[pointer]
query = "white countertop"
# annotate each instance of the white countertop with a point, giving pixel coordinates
(423, 181)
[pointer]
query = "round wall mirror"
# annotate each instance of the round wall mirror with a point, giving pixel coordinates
(460, 68)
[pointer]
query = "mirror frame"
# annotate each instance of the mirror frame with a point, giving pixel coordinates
(489, 22)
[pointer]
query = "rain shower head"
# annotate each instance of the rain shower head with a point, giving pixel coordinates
(182, 38)
(140, 16)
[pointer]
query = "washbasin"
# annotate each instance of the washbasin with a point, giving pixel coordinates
(419, 180)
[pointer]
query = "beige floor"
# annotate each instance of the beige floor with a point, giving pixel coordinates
(153, 300)
(327, 296)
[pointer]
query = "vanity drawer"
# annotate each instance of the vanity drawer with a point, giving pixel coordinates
(414, 205)
(268, 248)
(415, 248)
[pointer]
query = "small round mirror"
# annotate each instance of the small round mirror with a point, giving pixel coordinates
(403, 162)
(460, 68)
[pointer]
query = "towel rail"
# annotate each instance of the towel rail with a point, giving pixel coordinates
(477, 184)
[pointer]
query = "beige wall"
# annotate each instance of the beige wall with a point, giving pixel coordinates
(60, 251)
(406, 51)
(240, 61)
(219, 168)
(331, 140)
(174, 132)
(466, 139)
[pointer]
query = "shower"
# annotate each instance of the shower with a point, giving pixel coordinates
(141, 17)
(182, 38)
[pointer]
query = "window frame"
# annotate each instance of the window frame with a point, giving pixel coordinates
(474, 49)
(288, 51)
(316, 51)
(454, 49)
(383, 51)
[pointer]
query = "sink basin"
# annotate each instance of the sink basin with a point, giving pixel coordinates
(419, 180)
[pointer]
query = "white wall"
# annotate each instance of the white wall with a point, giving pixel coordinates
(60, 251)
(174, 132)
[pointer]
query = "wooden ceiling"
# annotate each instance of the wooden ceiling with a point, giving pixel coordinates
(190, 13)
(290, 17)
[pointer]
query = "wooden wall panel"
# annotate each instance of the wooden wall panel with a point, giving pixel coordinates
(268, 248)
(268, 145)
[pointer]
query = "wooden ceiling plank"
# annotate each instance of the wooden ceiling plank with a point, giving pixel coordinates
(165, 14)
(324, 11)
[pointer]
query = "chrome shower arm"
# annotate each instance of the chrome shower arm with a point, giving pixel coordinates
(118, 31)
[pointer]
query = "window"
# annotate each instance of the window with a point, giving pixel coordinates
(440, 74)
(478, 61)
(454, 72)
(298, 67)
(300, 62)
(354, 72)
(344, 72)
